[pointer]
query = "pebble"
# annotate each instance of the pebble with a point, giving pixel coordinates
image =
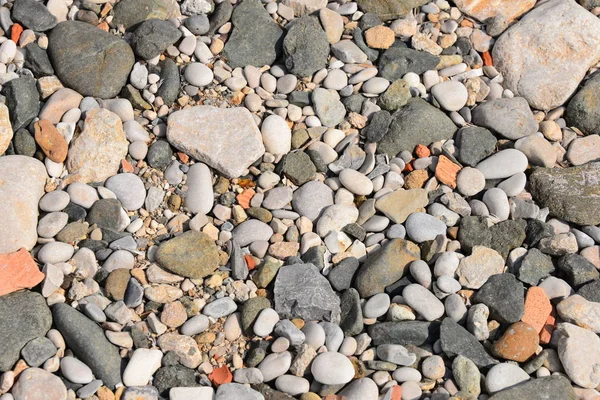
(503, 164)
(504, 375)
(423, 302)
(275, 365)
(129, 189)
(421, 227)
(200, 197)
(75, 371)
(141, 366)
(276, 134)
(198, 74)
(451, 95)
(332, 368)
(356, 182)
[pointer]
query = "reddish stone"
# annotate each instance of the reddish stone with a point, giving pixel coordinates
(220, 376)
(15, 32)
(546, 333)
(18, 271)
(408, 167)
(53, 144)
(537, 308)
(422, 151)
(518, 343)
(103, 26)
(395, 393)
(184, 158)
(126, 166)
(250, 262)
(446, 171)
(245, 197)
(487, 59)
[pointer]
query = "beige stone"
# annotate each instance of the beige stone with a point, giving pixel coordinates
(399, 204)
(6, 132)
(484, 9)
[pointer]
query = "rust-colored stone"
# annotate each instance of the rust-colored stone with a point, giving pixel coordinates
(18, 271)
(546, 333)
(518, 343)
(537, 308)
(416, 179)
(446, 171)
(220, 376)
(422, 151)
(245, 197)
(380, 37)
(15, 32)
(53, 144)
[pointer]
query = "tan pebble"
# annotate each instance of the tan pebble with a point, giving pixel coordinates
(380, 37)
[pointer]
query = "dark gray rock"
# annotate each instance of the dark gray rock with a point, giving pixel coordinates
(507, 235)
(341, 275)
(256, 39)
(583, 110)
(474, 232)
(250, 310)
(105, 213)
(418, 122)
(166, 378)
(357, 35)
(398, 60)
(159, 154)
(404, 333)
(36, 60)
(298, 167)
(24, 143)
(169, 75)
(220, 16)
(22, 100)
(315, 256)
(37, 351)
(25, 316)
(534, 267)
(198, 24)
(475, 144)
(378, 126)
(305, 47)
(389, 9)
(504, 296)
(591, 291)
(153, 37)
(354, 102)
(547, 387)
(88, 60)
(130, 13)
(570, 193)
(33, 15)
(301, 291)
(577, 270)
(351, 320)
(456, 340)
(88, 343)
(509, 117)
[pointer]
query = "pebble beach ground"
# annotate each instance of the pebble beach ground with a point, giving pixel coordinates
(300, 199)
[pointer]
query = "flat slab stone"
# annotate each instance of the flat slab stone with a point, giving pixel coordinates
(22, 181)
(228, 139)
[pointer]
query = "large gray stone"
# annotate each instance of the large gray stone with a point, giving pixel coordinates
(511, 117)
(547, 387)
(305, 47)
(389, 9)
(227, 139)
(583, 110)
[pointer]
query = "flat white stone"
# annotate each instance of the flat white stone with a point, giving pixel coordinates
(141, 366)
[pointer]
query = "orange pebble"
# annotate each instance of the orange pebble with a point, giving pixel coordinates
(126, 166)
(184, 158)
(487, 59)
(546, 333)
(15, 32)
(537, 308)
(422, 151)
(446, 171)
(395, 393)
(250, 262)
(103, 26)
(245, 197)
(220, 376)
(408, 167)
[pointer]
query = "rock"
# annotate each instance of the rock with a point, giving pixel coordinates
(355, 182)
(6, 131)
(276, 135)
(417, 122)
(235, 391)
(511, 118)
(567, 193)
(59, 103)
(583, 150)
(18, 271)
(75, 371)
(193, 7)
(456, 340)
(169, 74)
(23, 185)
(503, 294)
(251, 20)
(386, 266)
(335, 217)
(503, 376)
(173, 376)
(252, 231)
(518, 343)
(332, 368)
(301, 291)
(399, 204)
(534, 267)
(423, 302)
(25, 316)
(554, 386)
(275, 365)
(538, 150)
(305, 47)
(451, 95)
(403, 333)
(303, 7)
(328, 107)
(130, 13)
(311, 198)
(577, 270)
(298, 167)
(591, 291)
(129, 190)
(397, 61)
(389, 9)
(333, 24)
(466, 375)
(351, 323)
(526, 73)
(96, 153)
(33, 15)
(184, 347)
(503, 164)
(239, 144)
(38, 384)
(348, 52)
(192, 254)
(141, 366)
(422, 227)
(22, 100)
(583, 111)
(581, 312)
(579, 352)
(378, 126)
(92, 348)
(78, 52)
(152, 37)
(396, 96)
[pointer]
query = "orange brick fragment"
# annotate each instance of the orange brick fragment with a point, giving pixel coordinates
(220, 376)
(395, 393)
(15, 32)
(487, 59)
(126, 166)
(184, 158)
(446, 171)
(518, 343)
(18, 271)
(422, 151)
(537, 308)
(250, 262)
(245, 197)
(546, 333)
(408, 167)
(103, 26)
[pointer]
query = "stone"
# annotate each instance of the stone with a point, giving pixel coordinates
(567, 192)
(275, 365)
(93, 348)
(509, 117)
(184, 347)
(78, 51)
(25, 317)
(301, 291)
(475, 144)
(423, 302)
(22, 100)
(579, 353)
(503, 164)
(484, 9)
(152, 37)
(581, 312)
(397, 61)
(251, 20)
(386, 266)
(169, 75)
(582, 110)
(38, 384)
(200, 196)
(396, 96)
(298, 167)
(130, 13)
(173, 376)
(239, 144)
(59, 104)
(451, 95)
(466, 375)
(129, 190)
(75, 371)
(252, 231)
(577, 270)
(534, 267)
(583, 150)
(415, 123)
(555, 386)
(236, 391)
(18, 271)
(503, 294)
(518, 343)
(305, 47)
(399, 204)
(456, 340)
(96, 153)
(503, 376)
(378, 126)
(421, 227)
(310, 199)
(23, 185)
(192, 254)
(380, 37)
(6, 131)
(141, 366)
(332, 23)
(389, 9)
(526, 73)
(348, 52)
(33, 15)
(276, 135)
(332, 368)
(328, 107)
